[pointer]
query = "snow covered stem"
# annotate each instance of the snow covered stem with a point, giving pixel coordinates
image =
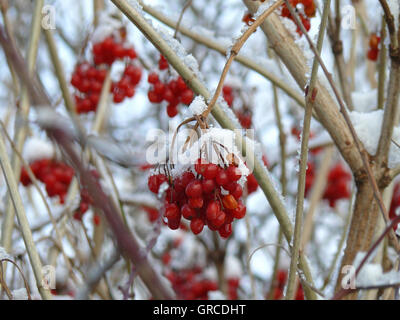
(260, 172)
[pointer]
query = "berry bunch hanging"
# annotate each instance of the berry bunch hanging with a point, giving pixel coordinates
(373, 51)
(88, 77)
(338, 183)
(308, 12)
(162, 88)
(189, 285)
(57, 177)
(210, 198)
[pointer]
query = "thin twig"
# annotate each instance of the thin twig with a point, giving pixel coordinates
(235, 50)
(310, 98)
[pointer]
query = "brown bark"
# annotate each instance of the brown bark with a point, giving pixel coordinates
(362, 228)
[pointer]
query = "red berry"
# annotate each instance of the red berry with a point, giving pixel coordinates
(208, 186)
(196, 225)
(186, 178)
(152, 78)
(172, 212)
(219, 220)
(212, 210)
(174, 224)
(196, 202)
(187, 97)
(240, 211)
(187, 212)
(194, 189)
(233, 173)
(221, 178)
(162, 63)
(172, 110)
(229, 202)
(210, 171)
(225, 231)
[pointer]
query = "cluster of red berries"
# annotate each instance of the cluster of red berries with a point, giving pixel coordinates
(189, 284)
(395, 204)
(309, 10)
(338, 184)
(88, 78)
(56, 175)
(373, 51)
(244, 114)
(211, 198)
(281, 278)
(174, 91)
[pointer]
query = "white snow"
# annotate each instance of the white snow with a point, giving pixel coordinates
(212, 139)
(216, 295)
(372, 274)
(107, 26)
(20, 294)
(368, 127)
(4, 254)
(233, 268)
(365, 101)
(179, 50)
(36, 149)
(198, 105)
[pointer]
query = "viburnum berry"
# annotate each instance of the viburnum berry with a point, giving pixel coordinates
(373, 51)
(197, 225)
(252, 183)
(222, 177)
